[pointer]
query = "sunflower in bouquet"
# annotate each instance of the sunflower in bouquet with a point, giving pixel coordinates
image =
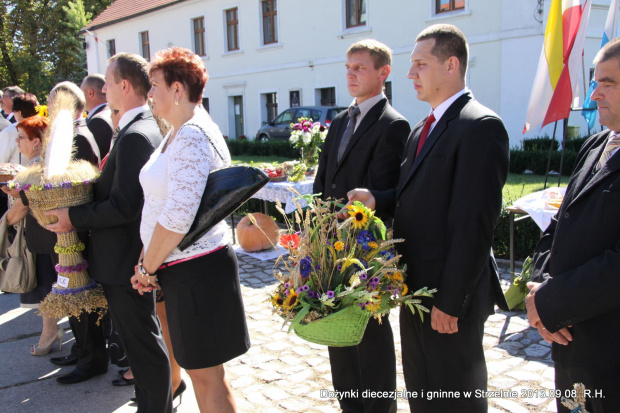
(339, 274)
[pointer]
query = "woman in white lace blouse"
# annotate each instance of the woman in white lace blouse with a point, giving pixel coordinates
(201, 284)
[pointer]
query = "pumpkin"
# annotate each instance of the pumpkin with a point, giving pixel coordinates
(261, 234)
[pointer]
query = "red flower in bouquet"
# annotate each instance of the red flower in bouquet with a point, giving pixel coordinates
(290, 241)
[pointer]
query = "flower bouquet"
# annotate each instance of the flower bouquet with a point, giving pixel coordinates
(339, 274)
(308, 136)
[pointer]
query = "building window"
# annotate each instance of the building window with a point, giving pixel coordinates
(145, 46)
(205, 103)
(272, 106)
(199, 35)
(111, 47)
(328, 96)
(232, 30)
(270, 14)
(356, 13)
(387, 89)
(442, 6)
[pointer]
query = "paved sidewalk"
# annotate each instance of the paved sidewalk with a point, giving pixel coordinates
(280, 373)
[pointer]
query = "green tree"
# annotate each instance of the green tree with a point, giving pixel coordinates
(40, 43)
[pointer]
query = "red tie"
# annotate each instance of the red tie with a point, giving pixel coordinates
(425, 130)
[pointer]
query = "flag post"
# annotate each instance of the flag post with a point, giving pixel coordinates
(564, 135)
(555, 126)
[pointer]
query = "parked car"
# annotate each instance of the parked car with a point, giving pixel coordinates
(280, 127)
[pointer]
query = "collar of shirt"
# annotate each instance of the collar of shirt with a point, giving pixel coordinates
(9, 116)
(365, 106)
(130, 115)
(94, 110)
(443, 107)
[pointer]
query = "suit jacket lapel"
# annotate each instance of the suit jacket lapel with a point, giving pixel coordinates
(437, 132)
(587, 181)
(371, 117)
(139, 116)
(121, 133)
(99, 109)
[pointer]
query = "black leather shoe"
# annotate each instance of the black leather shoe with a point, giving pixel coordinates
(69, 360)
(122, 381)
(78, 376)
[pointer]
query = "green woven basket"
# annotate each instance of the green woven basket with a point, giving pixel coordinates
(342, 329)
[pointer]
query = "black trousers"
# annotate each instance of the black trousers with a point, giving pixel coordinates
(444, 363)
(371, 365)
(603, 387)
(89, 346)
(135, 320)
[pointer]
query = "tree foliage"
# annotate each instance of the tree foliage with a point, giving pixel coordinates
(40, 44)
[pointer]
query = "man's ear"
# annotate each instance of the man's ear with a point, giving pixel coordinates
(453, 65)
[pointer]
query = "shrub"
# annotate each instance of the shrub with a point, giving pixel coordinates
(526, 234)
(539, 144)
(536, 161)
(575, 144)
(239, 147)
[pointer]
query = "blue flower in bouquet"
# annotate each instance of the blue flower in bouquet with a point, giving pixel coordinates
(305, 267)
(311, 294)
(364, 238)
(330, 294)
(387, 255)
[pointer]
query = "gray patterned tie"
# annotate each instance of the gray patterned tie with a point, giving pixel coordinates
(354, 112)
(612, 144)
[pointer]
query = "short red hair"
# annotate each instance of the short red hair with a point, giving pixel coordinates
(184, 66)
(34, 127)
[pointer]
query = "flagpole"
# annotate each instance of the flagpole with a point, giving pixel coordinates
(563, 146)
(555, 125)
(585, 88)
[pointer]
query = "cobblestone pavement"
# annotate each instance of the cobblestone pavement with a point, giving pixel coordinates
(283, 373)
(280, 372)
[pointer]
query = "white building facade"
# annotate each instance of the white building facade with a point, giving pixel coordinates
(263, 55)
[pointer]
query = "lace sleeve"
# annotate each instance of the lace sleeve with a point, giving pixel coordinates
(190, 158)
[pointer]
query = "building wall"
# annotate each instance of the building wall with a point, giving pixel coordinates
(505, 42)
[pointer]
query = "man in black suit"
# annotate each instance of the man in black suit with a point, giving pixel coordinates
(577, 261)
(446, 206)
(114, 222)
(98, 120)
(364, 149)
(7, 101)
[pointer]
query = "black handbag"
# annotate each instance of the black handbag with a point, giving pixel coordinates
(226, 190)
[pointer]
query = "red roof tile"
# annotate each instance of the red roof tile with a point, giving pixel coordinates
(121, 10)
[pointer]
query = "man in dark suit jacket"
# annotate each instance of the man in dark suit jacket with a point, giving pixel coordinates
(114, 222)
(576, 308)
(99, 119)
(446, 206)
(370, 157)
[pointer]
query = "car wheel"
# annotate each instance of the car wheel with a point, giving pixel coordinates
(263, 137)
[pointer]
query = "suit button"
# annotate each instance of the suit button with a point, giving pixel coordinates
(398, 204)
(333, 186)
(566, 215)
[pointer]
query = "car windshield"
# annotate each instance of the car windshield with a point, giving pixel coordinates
(286, 117)
(333, 112)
